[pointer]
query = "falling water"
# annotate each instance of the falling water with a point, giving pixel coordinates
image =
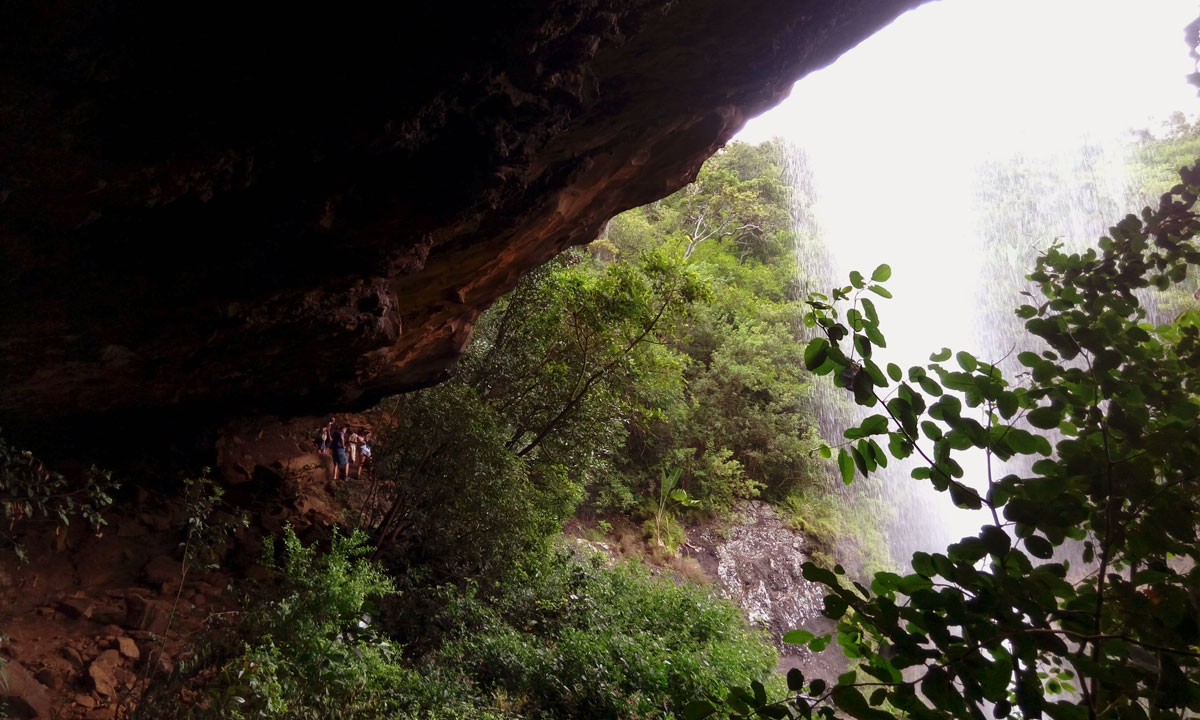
(956, 163)
(959, 247)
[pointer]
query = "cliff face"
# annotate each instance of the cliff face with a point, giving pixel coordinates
(237, 207)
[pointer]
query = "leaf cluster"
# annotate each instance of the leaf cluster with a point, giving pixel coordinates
(31, 492)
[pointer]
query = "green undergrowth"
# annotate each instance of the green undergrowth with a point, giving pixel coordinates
(332, 635)
(843, 530)
(577, 639)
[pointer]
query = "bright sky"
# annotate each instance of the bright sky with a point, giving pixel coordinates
(954, 71)
(894, 131)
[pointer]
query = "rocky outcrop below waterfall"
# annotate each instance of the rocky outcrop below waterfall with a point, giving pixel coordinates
(757, 562)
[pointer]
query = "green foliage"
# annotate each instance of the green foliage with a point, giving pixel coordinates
(1154, 165)
(668, 499)
(658, 373)
(482, 469)
(311, 651)
(672, 344)
(569, 354)
(846, 529)
(566, 637)
(739, 200)
(575, 639)
(211, 523)
(1153, 169)
(740, 422)
(718, 480)
(751, 400)
(998, 623)
(29, 492)
(462, 503)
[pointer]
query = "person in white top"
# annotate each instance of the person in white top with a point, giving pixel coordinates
(364, 453)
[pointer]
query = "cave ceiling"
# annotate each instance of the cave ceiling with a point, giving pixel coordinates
(235, 208)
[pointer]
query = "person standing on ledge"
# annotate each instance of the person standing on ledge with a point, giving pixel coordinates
(341, 461)
(364, 453)
(352, 445)
(322, 440)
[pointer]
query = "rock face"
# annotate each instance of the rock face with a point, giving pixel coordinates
(757, 565)
(235, 208)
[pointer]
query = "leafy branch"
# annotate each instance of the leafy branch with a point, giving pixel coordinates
(31, 492)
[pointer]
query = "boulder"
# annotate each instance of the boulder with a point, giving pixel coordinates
(109, 612)
(77, 607)
(130, 527)
(72, 655)
(142, 613)
(128, 648)
(102, 673)
(310, 465)
(159, 522)
(314, 505)
(23, 695)
(13, 648)
(163, 572)
(54, 672)
(160, 664)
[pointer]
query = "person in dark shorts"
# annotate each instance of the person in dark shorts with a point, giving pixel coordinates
(341, 460)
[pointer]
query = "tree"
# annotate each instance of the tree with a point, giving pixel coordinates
(490, 464)
(739, 197)
(744, 423)
(1001, 619)
(580, 331)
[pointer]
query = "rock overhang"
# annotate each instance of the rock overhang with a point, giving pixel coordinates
(222, 210)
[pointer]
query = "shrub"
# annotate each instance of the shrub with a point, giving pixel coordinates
(29, 491)
(575, 639)
(311, 651)
(462, 504)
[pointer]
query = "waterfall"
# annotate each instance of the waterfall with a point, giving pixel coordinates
(956, 163)
(959, 247)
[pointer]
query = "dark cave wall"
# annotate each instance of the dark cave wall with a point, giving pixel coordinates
(224, 209)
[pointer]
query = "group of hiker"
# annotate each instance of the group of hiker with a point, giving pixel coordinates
(350, 447)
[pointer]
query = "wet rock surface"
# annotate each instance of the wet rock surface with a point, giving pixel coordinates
(219, 209)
